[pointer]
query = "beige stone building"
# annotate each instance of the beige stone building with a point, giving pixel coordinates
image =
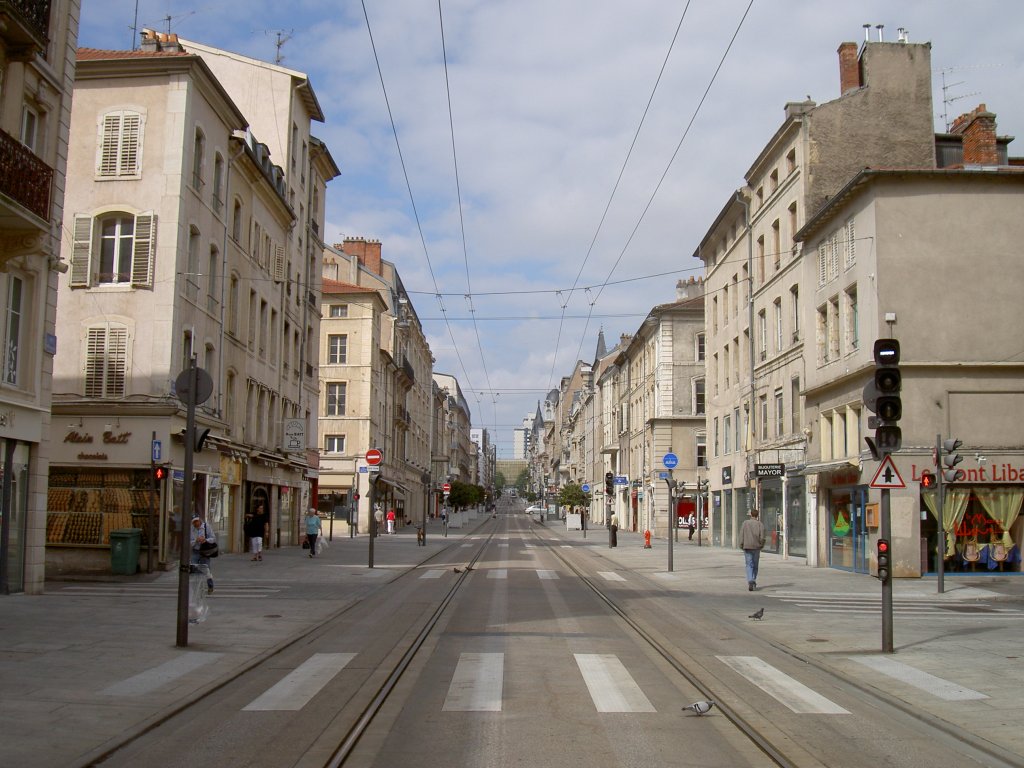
(178, 232)
(375, 388)
(37, 69)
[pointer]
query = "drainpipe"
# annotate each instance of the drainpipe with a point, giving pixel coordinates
(750, 319)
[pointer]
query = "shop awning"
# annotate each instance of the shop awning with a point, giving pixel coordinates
(830, 466)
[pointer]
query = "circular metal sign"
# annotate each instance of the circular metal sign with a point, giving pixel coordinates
(204, 386)
(446, 487)
(671, 461)
(374, 457)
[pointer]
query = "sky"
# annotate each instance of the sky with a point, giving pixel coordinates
(565, 157)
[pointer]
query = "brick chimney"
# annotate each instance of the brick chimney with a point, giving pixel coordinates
(849, 67)
(160, 42)
(978, 128)
(366, 251)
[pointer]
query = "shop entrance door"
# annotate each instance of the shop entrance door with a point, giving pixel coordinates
(848, 535)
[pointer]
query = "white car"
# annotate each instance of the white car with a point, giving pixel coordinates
(535, 509)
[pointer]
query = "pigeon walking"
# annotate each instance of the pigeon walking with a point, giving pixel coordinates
(457, 570)
(757, 615)
(700, 707)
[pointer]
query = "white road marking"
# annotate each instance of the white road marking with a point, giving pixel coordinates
(611, 686)
(497, 573)
(466, 545)
(151, 679)
(547, 574)
(432, 574)
(793, 694)
(936, 686)
(477, 683)
(297, 688)
(610, 576)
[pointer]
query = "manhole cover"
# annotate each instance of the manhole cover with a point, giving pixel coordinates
(816, 640)
(272, 616)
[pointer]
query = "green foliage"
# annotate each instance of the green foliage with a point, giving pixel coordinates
(464, 495)
(499, 480)
(523, 481)
(572, 495)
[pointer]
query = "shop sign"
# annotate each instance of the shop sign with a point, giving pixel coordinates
(726, 475)
(1002, 472)
(769, 470)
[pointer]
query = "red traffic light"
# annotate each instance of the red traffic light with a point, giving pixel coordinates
(927, 480)
(883, 546)
(355, 496)
(159, 473)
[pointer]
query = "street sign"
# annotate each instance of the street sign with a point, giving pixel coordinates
(373, 468)
(363, 470)
(621, 480)
(887, 475)
(374, 457)
(670, 460)
(586, 488)
(447, 487)
(156, 450)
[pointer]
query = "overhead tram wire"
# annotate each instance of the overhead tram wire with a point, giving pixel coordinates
(668, 167)
(408, 186)
(615, 188)
(462, 221)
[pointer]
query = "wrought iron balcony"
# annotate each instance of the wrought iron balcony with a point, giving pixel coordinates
(402, 415)
(25, 27)
(24, 177)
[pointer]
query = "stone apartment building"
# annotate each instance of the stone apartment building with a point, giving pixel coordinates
(38, 39)
(456, 457)
(179, 226)
(793, 309)
(375, 386)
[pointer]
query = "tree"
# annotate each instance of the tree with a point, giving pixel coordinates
(523, 481)
(499, 480)
(572, 495)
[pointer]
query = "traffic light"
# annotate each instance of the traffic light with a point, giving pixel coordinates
(159, 474)
(883, 560)
(882, 397)
(950, 458)
(927, 481)
(609, 483)
(355, 497)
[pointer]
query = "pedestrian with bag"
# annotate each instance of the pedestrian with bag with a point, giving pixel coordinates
(613, 531)
(204, 546)
(256, 526)
(313, 529)
(691, 523)
(752, 542)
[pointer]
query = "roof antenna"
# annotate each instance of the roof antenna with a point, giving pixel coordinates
(282, 38)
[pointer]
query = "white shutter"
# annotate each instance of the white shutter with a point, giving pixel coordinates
(851, 245)
(116, 362)
(833, 261)
(131, 135)
(109, 138)
(278, 263)
(822, 263)
(95, 353)
(81, 252)
(144, 249)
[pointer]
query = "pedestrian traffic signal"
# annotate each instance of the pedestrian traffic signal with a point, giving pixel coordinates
(159, 473)
(355, 496)
(609, 483)
(927, 481)
(950, 458)
(882, 397)
(883, 560)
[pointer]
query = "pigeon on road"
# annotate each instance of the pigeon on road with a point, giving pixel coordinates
(457, 570)
(757, 615)
(700, 707)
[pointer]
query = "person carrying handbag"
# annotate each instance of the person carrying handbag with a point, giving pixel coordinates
(204, 546)
(313, 529)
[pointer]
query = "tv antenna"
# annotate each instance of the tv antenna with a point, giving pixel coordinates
(282, 37)
(947, 99)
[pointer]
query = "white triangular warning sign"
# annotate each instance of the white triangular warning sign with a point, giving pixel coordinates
(887, 475)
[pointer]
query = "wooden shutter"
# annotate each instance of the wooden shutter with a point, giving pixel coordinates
(109, 139)
(143, 250)
(278, 263)
(95, 352)
(81, 251)
(116, 361)
(131, 134)
(822, 263)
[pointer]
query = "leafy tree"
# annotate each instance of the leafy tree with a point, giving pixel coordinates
(499, 480)
(523, 480)
(572, 495)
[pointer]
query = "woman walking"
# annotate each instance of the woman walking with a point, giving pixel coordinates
(313, 529)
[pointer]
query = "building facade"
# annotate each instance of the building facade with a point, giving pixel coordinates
(38, 42)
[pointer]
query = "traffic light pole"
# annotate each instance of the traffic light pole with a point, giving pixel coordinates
(884, 533)
(184, 543)
(940, 546)
(671, 522)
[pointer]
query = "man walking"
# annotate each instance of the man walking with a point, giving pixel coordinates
(613, 531)
(751, 542)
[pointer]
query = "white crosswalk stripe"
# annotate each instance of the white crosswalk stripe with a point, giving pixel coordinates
(611, 686)
(936, 686)
(169, 671)
(789, 692)
(236, 591)
(497, 573)
(610, 576)
(297, 688)
(432, 574)
(477, 683)
(547, 574)
(904, 606)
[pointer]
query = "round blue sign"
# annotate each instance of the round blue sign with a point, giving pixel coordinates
(586, 488)
(671, 461)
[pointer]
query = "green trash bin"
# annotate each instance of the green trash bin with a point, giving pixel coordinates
(124, 550)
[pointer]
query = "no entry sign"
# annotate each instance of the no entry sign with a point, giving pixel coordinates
(374, 457)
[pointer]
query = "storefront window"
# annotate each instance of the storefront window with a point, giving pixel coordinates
(13, 517)
(847, 532)
(771, 514)
(84, 505)
(983, 528)
(796, 518)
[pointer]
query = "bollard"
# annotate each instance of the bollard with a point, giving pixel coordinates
(647, 539)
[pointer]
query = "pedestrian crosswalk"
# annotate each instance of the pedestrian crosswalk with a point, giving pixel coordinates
(905, 606)
(169, 588)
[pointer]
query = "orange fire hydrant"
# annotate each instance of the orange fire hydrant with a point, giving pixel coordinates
(647, 539)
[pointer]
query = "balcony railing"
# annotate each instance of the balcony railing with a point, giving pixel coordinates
(402, 414)
(24, 177)
(25, 26)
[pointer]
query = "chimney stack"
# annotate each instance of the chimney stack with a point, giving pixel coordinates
(849, 68)
(978, 129)
(366, 251)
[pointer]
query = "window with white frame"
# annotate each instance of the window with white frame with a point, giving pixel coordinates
(762, 403)
(762, 335)
(338, 310)
(777, 316)
(335, 393)
(192, 269)
(334, 443)
(715, 372)
(119, 148)
(833, 328)
(726, 431)
(198, 159)
(822, 333)
(114, 248)
(794, 402)
(218, 183)
(13, 329)
(337, 349)
(106, 361)
(31, 122)
(702, 451)
(850, 249)
(699, 404)
(726, 360)
(233, 304)
(851, 320)
(827, 453)
(701, 351)
(794, 302)
(213, 281)
(737, 427)
(776, 245)
(715, 430)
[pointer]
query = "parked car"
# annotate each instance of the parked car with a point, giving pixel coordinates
(535, 509)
